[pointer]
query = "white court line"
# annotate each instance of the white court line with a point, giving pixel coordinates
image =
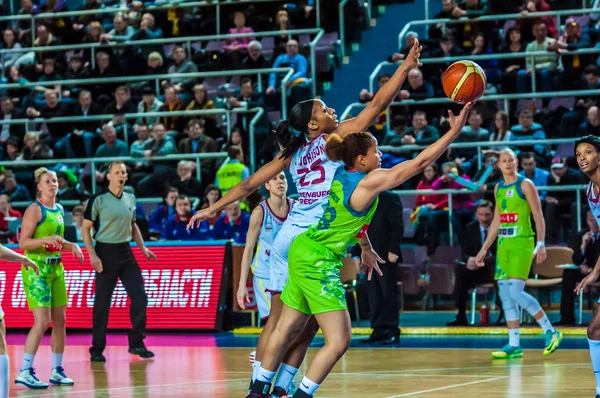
(475, 367)
(448, 387)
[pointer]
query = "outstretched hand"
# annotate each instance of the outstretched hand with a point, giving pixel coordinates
(458, 122)
(412, 59)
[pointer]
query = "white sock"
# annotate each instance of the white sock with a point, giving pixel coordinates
(285, 376)
(308, 386)
(264, 375)
(56, 360)
(514, 338)
(255, 369)
(4, 375)
(595, 355)
(545, 324)
(27, 361)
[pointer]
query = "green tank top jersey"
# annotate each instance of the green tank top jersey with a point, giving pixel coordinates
(341, 227)
(515, 212)
(51, 224)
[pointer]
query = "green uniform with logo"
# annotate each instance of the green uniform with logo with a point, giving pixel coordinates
(515, 234)
(315, 256)
(48, 289)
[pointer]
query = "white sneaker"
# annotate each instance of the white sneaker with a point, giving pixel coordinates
(27, 378)
(59, 378)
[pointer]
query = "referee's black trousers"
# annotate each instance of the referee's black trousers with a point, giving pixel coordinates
(118, 262)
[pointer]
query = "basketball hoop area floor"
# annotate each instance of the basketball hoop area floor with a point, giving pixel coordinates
(217, 366)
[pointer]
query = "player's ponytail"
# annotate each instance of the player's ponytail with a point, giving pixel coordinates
(348, 148)
(291, 134)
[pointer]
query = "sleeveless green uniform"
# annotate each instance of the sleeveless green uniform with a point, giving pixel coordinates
(48, 289)
(515, 234)
(315, 256)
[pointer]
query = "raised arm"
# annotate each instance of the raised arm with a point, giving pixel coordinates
(384, 97)
(256, 220)
(244, 188)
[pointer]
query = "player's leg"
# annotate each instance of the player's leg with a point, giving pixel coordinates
(58, 338)
(4, 361)
(39, 299)
(274, 315)
(337, 330)
(593, 335)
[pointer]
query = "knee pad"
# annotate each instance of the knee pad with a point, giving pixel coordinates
(522, 298)
(508, 304)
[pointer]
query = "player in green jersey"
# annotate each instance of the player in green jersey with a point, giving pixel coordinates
(516, 200)
(314, 287)
(42, 239)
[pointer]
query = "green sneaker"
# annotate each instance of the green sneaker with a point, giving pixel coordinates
(508, 352)
(553, 340)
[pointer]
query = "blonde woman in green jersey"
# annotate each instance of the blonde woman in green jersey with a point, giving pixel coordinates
(516, 200)
(42, 239)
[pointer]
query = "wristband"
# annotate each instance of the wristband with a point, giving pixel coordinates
(539, 244)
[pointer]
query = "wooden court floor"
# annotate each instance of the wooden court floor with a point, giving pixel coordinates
(215, 371)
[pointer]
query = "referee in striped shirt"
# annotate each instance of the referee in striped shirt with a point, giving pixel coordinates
(112, 216)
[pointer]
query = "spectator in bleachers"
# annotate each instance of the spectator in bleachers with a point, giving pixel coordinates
(545, 65)
(233, 171)
(236, 139)
(176, 226)
(122, 103)
(24, 25)
(446, 49)
(431, 209)
(15, 191)
(212, 194)
(573, 39)
(511, 67)
(501, 127)
(164, 211)
(139, 149)
(12, 149)
(298, 82)
(186, 183)
(34, 149)
(487, 187)
(366, 96)
(149, 103)
(586, 250)
(282, 22)
(233, 225)
(249, 99)
(49, 73)
(417, 88)
(469, 274)
(161, 145)
(538, 176)
(199, 102)
(148, 29)
(527, 24)
(181, 64)
(173, 124)
(559, 203)
(489, 66)
(65, 191)
(61, 26)
(6, 210)
(104, 68)
(394, 136)
(465, 33)
(44, 39)
(256, 60)
(75, 70)
(94, 33)
(572, 120)
(528, 130)
(8, 113)
(78, 221)
(17, 94)
(112, 146)
(592, 123)
(421, 132)
(10, 42)
(198, 142)
(80, 142)
(435, 31)
(120, 32)
(473, 130)
(51, 108)
(236, 47)
(409, 40)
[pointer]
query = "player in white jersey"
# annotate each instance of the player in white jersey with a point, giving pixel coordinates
(587, 152)
(302, 142)
(265, 225)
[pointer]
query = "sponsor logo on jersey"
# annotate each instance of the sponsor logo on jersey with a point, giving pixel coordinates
(510, 193)
(509, 218)
(60, 219)
(510, 232)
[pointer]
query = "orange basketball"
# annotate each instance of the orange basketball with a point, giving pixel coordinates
(464, 81)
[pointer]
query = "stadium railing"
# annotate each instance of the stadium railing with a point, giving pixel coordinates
(450, 192)
(162, 6)
(496, 97)
(527, 55)
(584, 4)
(500, 17)
(188, 40)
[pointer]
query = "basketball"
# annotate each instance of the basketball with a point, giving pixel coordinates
(464, 81)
